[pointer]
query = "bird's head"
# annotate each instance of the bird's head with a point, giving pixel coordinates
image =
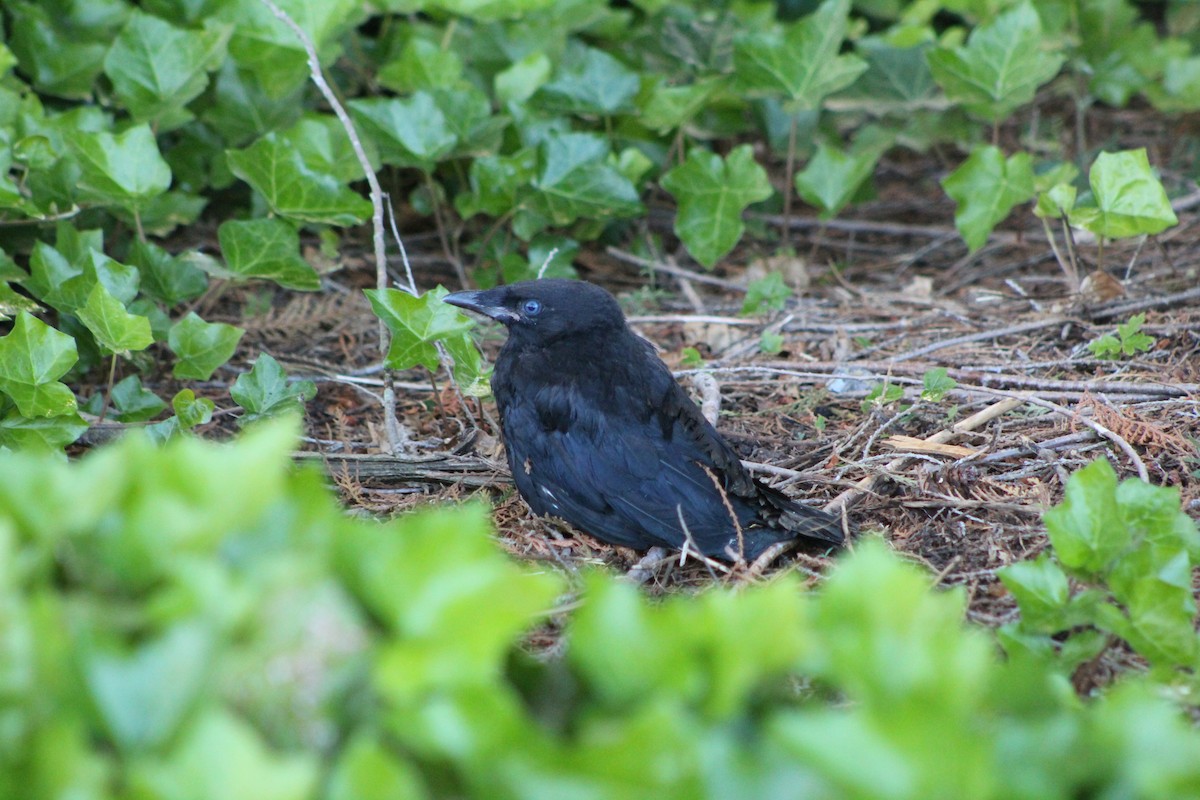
(545, 309)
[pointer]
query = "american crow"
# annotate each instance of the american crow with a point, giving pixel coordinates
(599, 433)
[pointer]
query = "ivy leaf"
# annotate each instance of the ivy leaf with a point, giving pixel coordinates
(1056, 201)
(496, 183)
(667, 107)
(266, 248)
(416, 323)
(469, 370)
(169, 279)
(276, 170)
(325, 147)
(115, 329)
(1000, 67)
(18, 432)
(833, 176)
(135, 403)
(768, 292)
(802, 63)
(13, 303)
(265, 391)
(157, 69)
(201, 346)
(220, 744)
(936, 384)
(143, 698)
(59, 62)
(986, 187)
(190, 410)
(422, 64)
(412, 132)
(469, 119)
(1085, 528)
(1129, 199)
(123, 169)
(33, 356)
(517, 83)
(575, 181)
(265, 46)
(712, 194)
(1041, 591)
(589, 81)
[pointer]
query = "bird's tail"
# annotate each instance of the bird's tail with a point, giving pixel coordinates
(799, 521)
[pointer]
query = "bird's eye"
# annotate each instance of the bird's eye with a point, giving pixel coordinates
(532, 307)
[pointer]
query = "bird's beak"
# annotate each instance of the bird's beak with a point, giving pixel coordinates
(487, 303)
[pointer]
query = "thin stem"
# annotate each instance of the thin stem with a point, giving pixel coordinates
(1067, 268)
(391, 426)
(787, 182)
(443, 237)
(112, 375)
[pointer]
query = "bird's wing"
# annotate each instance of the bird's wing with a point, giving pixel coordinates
(620, 476)
(753, 500)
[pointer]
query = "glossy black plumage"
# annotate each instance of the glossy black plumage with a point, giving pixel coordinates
(599, 433)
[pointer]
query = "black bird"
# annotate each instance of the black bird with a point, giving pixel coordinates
(599, 433)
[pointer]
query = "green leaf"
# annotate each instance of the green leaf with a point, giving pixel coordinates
(469, 370)
(19, 432)
(142, 697)
(220, 757)
(469, 119)
(802, 64)
(589, 81)
(833, 176)
(575, 181)
(450, 628)
(1129, 199)
(412, 132)
(770, 343)
(366, 770)
(157, 68)
(190, 410)
(59, 60)
(325, 147)
(1041, 590)
(135, 403)
(1056, 202)
(1001, 66)
(496, 183)
(416, 323)
(115, 329)
(276, 170)
(518, 82)
(985, 188)
(265, 391)
(1133, 341)
(264, 45)
(422, 64)
(169, 279)
(124, 170)
(1155, 587)
(768, 292)
(33, 356)
(667, 107)
(242, 109)
(1086, 528)
(712, 193)
(266, 248)
(12, 303)
(201, 346)
(936, 384)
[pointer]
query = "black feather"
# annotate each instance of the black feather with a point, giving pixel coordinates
(598, 432)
